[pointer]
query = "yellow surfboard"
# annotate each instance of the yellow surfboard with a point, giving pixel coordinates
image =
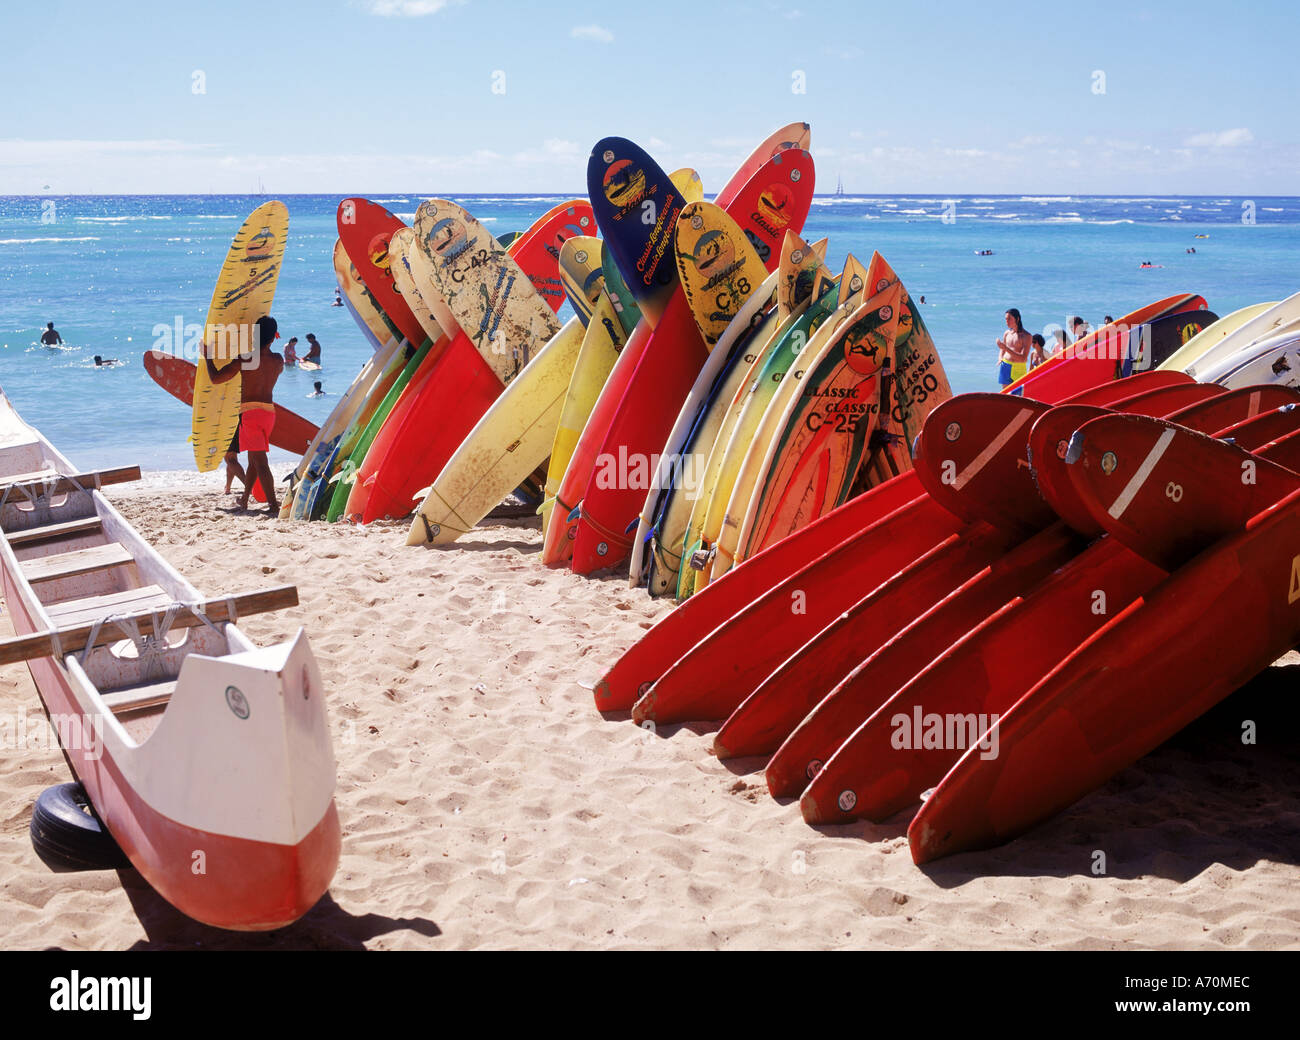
(601, 342)
(508, 443)
(718, 266)
(244, 292)
(688, 182)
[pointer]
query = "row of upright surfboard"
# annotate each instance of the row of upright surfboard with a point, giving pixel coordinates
(1072, 571)
(718, 388)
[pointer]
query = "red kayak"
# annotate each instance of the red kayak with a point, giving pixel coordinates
(1097, 357)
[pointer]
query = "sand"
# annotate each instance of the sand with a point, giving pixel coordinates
(486, 804)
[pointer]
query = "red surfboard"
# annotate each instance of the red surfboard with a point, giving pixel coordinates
(364, 229)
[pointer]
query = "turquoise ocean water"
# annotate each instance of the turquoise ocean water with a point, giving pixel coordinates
(108, 270)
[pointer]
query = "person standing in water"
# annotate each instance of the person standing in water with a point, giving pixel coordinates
(50, 337)
(1013, 349)
(313, 355)
(257, 412)
(291, 351)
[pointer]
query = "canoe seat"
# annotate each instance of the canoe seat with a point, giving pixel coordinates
(53, 532)
(139, 698)
(78, 561)
(73, 612)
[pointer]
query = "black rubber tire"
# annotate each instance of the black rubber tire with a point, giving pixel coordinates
(68, 836)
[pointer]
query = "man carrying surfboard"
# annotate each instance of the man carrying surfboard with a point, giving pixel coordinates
(257, 410)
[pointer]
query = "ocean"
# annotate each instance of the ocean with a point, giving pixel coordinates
(112, 271)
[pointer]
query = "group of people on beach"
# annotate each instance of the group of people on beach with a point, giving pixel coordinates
(1019, 351)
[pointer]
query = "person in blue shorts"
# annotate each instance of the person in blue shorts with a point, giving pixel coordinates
(1013, 350)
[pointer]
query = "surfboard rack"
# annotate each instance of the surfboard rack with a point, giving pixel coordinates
(62, 641)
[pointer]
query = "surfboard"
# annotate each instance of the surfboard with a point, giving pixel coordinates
(581, 274)
(1263, 325)
(174, 374)
(1095, 358)
(620, 296)
(601, 344)
(636, 206)
(1273, 360)
(481, 288)
(790, 136)
(244, 292)
(511, 440)
(688, 183)
(400, 263)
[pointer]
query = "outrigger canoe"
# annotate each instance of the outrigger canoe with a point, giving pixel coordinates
(207, 758)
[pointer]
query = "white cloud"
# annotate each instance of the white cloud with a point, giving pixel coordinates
(597, 33)
(408, 8)
(1223, 139)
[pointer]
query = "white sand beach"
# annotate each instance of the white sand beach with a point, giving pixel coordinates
(485, 803)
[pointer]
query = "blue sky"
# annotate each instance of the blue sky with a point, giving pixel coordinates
(377, 96)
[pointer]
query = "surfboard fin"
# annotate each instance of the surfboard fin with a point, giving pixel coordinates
(576, 514)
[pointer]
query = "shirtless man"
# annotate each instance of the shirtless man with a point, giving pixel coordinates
(257, 412)
(1013, 350)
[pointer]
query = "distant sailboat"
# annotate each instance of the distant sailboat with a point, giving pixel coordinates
(261, 188)
(839, 187)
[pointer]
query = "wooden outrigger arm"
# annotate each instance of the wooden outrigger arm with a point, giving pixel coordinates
(63, 641)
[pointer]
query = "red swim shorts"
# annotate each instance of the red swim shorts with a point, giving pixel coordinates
(255, 427)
